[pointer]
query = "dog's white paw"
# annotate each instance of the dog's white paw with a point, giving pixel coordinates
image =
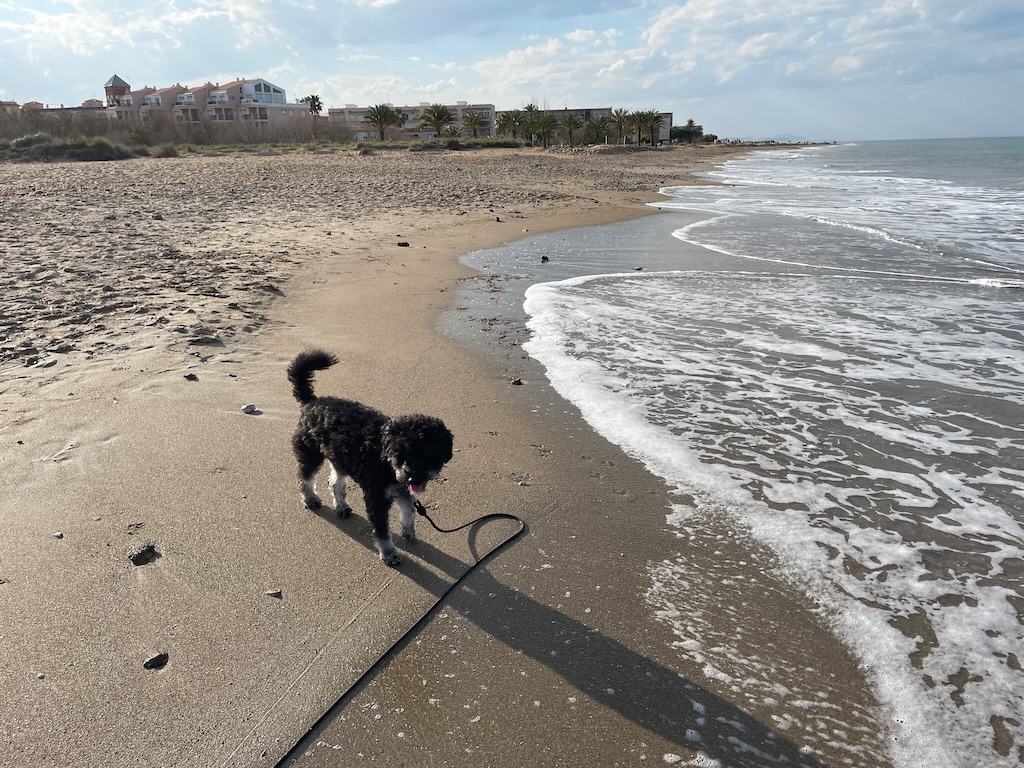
(409, 534)
(391, 558)
(344, 511)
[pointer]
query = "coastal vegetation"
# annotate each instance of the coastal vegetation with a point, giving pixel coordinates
(437, 117)
(384, 116)
(74, 135)
(41, 146)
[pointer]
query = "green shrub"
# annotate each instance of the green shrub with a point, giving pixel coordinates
(166, 150)
(140, 136)
(69, 149)
(32, 140)
(99, 149)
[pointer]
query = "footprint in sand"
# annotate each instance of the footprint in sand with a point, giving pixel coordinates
(65, 453)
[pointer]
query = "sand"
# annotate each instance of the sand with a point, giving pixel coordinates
(168, 601)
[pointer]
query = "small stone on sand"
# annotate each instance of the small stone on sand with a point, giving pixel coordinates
(144, 554)
(157, 661)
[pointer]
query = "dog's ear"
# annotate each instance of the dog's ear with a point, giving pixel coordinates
(448, 441)
(389, 443)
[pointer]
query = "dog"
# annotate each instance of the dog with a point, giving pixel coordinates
(390, 459)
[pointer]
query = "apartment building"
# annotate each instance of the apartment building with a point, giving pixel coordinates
(255, 101)
(260, 103)
(353, 118)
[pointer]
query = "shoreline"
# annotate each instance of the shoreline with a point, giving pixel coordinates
(246, 672)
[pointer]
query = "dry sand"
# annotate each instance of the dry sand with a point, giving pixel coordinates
(145, 302)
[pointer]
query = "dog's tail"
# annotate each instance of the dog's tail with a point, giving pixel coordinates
(300, 372)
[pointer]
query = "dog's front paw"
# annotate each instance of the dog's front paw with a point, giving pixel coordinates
(311, 502)
(344, 511)
(391, 558)
(409, 534)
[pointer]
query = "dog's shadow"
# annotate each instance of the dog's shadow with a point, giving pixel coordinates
(646, 692)
(358, 528)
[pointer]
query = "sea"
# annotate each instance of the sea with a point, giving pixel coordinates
(826, 347)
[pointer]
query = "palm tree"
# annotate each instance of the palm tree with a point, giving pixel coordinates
(315, 105)
(570, 122)
(621, 120)
(473, 121)
(384, 116)
(436, 117)
(653, 122)
(638, 121)
(692, 131)
(315, 108)
(530, 114)
(509, 122)
(596, 129)
(544, 126)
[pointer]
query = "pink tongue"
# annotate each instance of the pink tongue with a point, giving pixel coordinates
(416, 488)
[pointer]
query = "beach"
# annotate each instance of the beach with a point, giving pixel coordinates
(169, 601)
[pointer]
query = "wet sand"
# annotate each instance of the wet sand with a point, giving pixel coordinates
(146, 302)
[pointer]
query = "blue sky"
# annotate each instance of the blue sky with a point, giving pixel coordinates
(819, 69)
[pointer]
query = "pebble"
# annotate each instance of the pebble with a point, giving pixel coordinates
(157, 661)
(249, 408)
(144, 554)
(273, 593)
(58, 534)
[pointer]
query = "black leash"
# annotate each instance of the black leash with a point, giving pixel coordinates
(342, 700)
(422, 511)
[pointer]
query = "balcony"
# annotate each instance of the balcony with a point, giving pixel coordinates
(220, 115)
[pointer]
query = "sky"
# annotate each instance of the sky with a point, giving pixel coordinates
(823, 70)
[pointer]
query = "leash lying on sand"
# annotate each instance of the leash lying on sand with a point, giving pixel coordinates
(422, 511)
(304, 742)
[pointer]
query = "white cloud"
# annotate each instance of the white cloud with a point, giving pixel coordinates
(845, 65)
(756, 46)
(581, 35)
(449, 86)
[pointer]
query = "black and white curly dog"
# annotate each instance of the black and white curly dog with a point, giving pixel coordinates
(390, 459)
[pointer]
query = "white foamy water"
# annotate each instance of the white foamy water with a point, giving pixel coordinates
(848, 385)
